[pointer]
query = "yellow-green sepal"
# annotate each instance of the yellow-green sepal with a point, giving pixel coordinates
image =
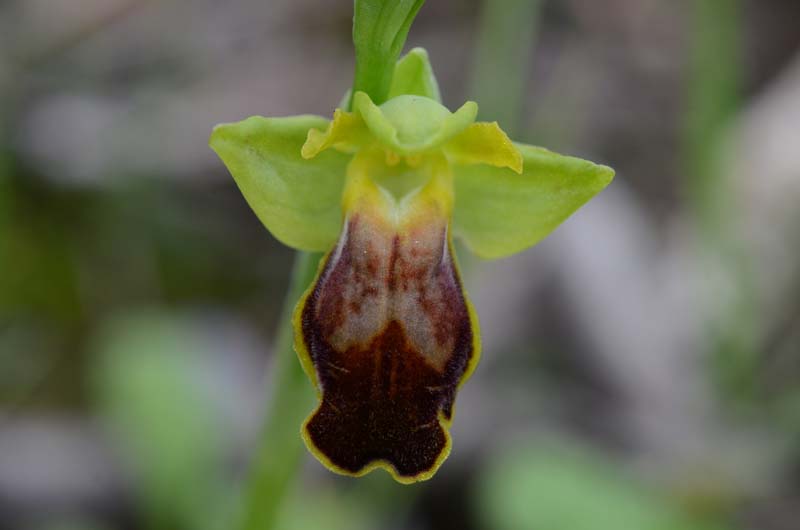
(499, 212)
(411, 124)
(413, 76)
(298, 200)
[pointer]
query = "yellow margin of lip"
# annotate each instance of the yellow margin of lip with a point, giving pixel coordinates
(308, 366)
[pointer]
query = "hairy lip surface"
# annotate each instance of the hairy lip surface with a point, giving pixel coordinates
(390, 336)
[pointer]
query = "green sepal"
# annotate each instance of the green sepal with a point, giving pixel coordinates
(499, 212)
(298, 200)
(413, 76)
(413, 124)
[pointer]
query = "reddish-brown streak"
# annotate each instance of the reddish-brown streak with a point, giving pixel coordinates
(391, 279)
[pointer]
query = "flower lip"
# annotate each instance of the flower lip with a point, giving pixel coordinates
(410, 124)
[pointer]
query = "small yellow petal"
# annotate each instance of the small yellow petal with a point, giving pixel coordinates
(346, 132)
(485, 143)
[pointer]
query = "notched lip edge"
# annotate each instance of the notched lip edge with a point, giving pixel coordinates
(384, 464)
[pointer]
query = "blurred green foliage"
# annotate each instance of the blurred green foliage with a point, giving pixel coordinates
(38, 275)
(560, 486)
(149, 388)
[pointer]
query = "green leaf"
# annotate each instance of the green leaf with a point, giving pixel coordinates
(499, 212)
(298, 200)
(380, 28)
(413, 76)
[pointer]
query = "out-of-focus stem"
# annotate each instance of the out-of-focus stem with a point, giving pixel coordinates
(502, 58)
(280, 451)
(713, 98)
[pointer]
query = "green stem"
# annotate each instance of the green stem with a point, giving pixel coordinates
(280, 452)
(380, 28)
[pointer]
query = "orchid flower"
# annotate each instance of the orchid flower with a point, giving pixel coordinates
(386, 332)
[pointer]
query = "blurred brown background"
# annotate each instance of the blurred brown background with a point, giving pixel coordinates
(641, 367)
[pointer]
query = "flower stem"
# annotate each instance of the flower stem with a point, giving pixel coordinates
(380, 28)
(280, 451)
